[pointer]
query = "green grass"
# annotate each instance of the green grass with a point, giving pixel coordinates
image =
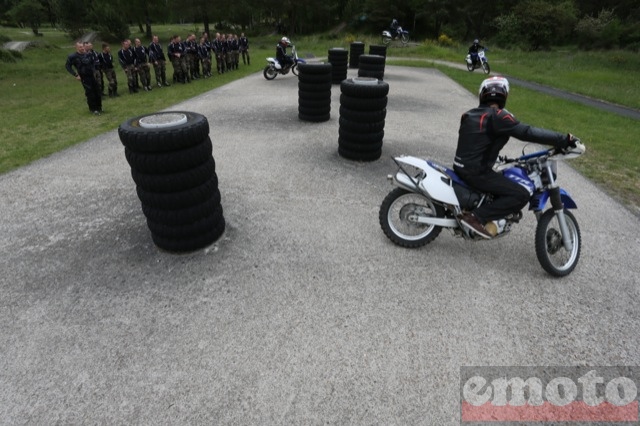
(45, 110)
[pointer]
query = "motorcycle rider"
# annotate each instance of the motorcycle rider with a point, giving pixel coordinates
(285, 60)
(473, 51)
(393, 28)
(483, 132)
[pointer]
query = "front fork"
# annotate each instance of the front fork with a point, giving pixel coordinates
(558, 207)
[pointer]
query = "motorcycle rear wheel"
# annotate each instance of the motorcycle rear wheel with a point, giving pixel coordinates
(294, 69)
(394, 218)
(552, 255)
(269, 72)
(386, 40)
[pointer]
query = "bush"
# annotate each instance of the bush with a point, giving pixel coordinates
(4, 39)
(9, 56)
(598, 32)
(445, 40)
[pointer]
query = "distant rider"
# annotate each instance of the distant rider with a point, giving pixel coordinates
(474, 49)
(285, 60)
(393, 27)
(484, 131)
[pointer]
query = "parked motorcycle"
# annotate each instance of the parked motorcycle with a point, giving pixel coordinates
(430, 197)
(400, 34)
(481, 62)
(274, 68)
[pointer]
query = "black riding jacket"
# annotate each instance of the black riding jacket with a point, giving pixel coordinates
(484, 131)
(82, 62)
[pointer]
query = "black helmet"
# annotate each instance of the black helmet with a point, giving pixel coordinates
(494, 89)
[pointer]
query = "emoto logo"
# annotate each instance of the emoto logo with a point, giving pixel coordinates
(549, 394)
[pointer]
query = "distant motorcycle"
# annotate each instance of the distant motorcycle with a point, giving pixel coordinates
(400, 34)
(274, 68)
(481, 62)
(430, 197)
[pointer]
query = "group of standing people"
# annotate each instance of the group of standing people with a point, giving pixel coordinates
(191, 60)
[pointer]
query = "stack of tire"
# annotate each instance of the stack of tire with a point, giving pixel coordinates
(176, 182)
(378, 49)
(371, 66)
(339, 60)
(314, 91)
(356, 49)
(363, 108)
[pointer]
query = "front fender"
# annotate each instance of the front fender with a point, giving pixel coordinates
(540, 200)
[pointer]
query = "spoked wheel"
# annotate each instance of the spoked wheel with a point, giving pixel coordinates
(485, 67)
(386, 40)
(470, 66)
(269, 72)
(404, 38)
(294, 69)
(397, 218)
(551, 253)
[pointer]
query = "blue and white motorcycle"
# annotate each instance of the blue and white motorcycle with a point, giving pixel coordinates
(274, 68)
(430, 197)
(480, 59)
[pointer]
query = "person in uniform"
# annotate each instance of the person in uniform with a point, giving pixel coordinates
(204, 56)
(142, 60)
(107, 68)
(157, 58)
(234, 48)
(97, 73)
(178, 60)
(191, 48)
(219, 49)
(127, 59)
(81, 66)
(244, 49)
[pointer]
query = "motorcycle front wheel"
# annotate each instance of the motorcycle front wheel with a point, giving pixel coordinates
(485, 67)
(470, 67)
(404, 38)
(269, 72)
(551, 253)
(395, 213)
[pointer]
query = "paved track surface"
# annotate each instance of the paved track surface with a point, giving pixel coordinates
(303, 312)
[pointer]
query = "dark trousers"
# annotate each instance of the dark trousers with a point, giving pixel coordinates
(508, 196)
(93, 93)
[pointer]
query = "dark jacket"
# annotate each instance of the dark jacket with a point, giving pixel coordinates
(83, 64)
(155, 52)
(484, 131)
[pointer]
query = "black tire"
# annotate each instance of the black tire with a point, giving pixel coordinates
(269, 72)
(181, 136)
(314, 78)
(315, 103)
(314, 111)
(394, 212)
(350, 88)
(367, 138)
(378, 50)
(169, 161)
(362, 116)
(314, 118)
(359, 147)
(190, 229)
(359, 127)
(338, 52)
(371, 104)
(175, 182)
(371, 74)
(318, 68)
(486, 68)
(314, 96)
(338, 64)
(404, 38)
(294, 69)
(179, 200)
(550, 250)
(372, 60)
(371, 67)
(359, 155)
(386, 40)
(470, 67)
(181, 245)
(314, 87)
(183, 216)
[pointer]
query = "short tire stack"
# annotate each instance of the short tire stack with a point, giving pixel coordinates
(174, 171)
(314, 92)
(371, 66)
(363, 108)
(339, 60)
(378, 49)
(356, 49)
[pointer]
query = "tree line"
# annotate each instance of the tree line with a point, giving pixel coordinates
(527, 24)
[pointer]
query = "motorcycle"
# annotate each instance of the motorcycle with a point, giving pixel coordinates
(400, 34)
(481, 62)
(430, 197)
(274, 68)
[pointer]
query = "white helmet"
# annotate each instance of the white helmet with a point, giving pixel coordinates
(494, 89)
(285, 41)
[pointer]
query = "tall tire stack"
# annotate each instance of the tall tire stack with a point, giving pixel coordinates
(176, 182)
(363, 108)
(371, 66)
(356, 49)
(314, 92)
(339, 60)
(378, 49)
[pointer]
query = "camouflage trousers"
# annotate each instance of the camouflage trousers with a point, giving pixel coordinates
(132, 75)
(160, 70)
(221, 62)
(179, 69)
(145, 74)
(110, 74)
(97, 75)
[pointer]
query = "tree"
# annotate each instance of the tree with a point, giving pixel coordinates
(28, 13)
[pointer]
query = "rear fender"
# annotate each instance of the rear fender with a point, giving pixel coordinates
(436, 184)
